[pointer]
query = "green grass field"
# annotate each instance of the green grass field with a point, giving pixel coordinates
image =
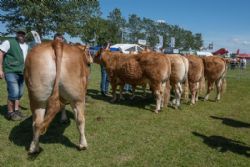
(128, 133)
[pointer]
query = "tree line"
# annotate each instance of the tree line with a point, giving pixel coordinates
(83, 19)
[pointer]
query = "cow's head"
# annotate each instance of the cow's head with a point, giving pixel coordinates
(97, 56)
(102, 56)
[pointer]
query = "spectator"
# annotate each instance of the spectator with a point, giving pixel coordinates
(243, 63)
(12, 56)
(59, 37)
(104, 86)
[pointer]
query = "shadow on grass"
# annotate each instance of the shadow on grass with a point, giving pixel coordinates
(224, 144)
(21, 135)
(138, 101)
(3, 110)
(232, 122)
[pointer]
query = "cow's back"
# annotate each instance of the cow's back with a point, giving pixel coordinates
(214, 67)
(155, 66)
(40, 72)
(129, 69)
(196, 68)
(179, 68)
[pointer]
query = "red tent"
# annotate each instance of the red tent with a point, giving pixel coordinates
(244, 55)
(221, 51)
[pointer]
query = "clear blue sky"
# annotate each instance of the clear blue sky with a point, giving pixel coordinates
(226, 23)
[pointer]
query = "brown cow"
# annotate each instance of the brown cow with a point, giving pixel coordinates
(215, 69)
(56, 73)
(151, 68)
(195, 76)
(179, 72)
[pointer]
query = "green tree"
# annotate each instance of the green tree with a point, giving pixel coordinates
(118, 21)
(99, 31)
(134, 26)
(150, 28)
(46, 16)
(198, 42)
(163, 29)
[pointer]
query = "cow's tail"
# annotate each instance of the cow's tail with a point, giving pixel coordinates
(186, 85)
(202, 82)
(167, 93)
(186, 90)
(53, 106)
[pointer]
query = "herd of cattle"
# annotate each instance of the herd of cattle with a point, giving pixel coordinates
(56, 74)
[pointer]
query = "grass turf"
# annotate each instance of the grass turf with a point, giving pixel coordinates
(128, 133)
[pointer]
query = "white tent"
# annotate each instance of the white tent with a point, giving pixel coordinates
(127, 48)
(203, 53)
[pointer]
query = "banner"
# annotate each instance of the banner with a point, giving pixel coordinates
(36, 37)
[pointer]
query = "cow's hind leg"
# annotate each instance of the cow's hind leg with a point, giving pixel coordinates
(78, 108)
(158, 95)
(219, 89)
(121, 91)
(209, 89)
(38, 112)
(193, 91)
(114, 85)
(176, 100)
(163, 90)
(179, 93)
(197, 91)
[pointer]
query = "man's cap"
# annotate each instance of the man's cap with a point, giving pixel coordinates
(21, 31)
(58, 35)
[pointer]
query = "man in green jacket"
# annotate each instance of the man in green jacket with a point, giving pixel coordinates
(12, 57)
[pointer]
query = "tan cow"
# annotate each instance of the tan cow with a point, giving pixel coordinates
(151, 68)
(179, 72)
(56, 73)
(215, 69)
(195, 76)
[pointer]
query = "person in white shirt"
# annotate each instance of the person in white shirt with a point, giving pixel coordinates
(12, 57)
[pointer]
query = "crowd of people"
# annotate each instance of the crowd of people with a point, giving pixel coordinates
(238, 63)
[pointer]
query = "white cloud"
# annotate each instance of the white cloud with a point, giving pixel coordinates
(246, 43)
(240, 41)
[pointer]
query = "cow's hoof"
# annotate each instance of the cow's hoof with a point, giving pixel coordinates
(34, 150)
(156, 111)
(64, 121)
(81, 148)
